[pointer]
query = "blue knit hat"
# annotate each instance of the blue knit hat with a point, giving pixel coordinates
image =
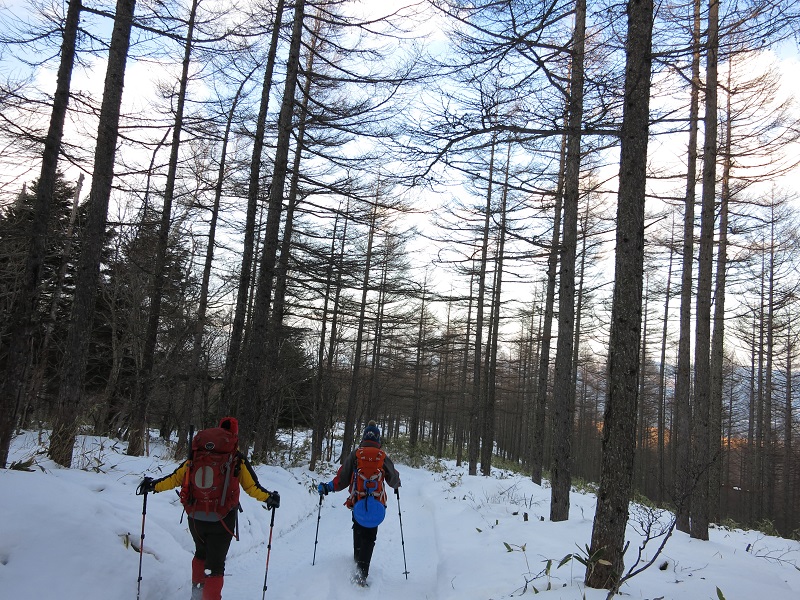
(372, 433)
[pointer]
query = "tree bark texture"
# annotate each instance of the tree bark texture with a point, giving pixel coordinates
(77, 347)
(718, 333)
(543, 370)
(682, 439)
(563, 405)
(248, 247)
(261, 350)
(701, 462)
(478, 387)
(619, 429)
(25, 304)
(487, 447)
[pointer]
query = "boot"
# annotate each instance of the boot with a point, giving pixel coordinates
(212, 590)
(197, 591)
(198, 571)
(198, 578)
(356, 545)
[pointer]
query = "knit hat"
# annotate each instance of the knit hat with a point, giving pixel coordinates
(231, 424)
(372, 433)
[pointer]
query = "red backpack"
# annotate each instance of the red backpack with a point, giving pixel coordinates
(211, 487)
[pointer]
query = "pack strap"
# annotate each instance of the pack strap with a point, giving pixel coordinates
(235, 532)
(226, 485)
(370, 486)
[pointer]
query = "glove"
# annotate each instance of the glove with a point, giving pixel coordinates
(148, 485)
(274, 500)
(325, 488)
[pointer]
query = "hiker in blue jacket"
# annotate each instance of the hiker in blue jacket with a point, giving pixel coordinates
(365, 473)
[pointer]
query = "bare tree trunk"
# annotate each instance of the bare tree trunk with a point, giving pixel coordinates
(717, 342)
(494, 335)
(540, 397)
(350, 416)
(372, 394)
(534, 344)
(662, 388)
(758, 459)
(139, 413)
(413, 427)
(682, 438)
(478, 386)
(259, 370)
(641, 442)
(73, 367)
(267, 420)
(202, 303)
(788, 520)
(702, 400)
(323, 373)
(750, 462)
(444, 387)
(18, 354)
(248, 248)
(619, 430)
(464, 412)
(767, 470)
(563, 406)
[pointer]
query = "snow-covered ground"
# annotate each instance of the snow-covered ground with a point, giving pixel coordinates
(70, 534)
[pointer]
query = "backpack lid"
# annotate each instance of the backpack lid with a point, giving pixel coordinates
(215, 439)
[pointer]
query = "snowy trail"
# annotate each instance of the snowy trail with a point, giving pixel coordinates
(73, 534)
(291, 569)
(442, 519)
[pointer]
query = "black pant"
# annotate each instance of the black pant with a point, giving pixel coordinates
(363, 544)
(212, 539)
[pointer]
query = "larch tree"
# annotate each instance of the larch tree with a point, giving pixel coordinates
(23, 311)
(701, 462)
(138, 426)
(563, 397)
(619, 426)
(681, 441)
(73, 367)
(253, 191)
(257, 371)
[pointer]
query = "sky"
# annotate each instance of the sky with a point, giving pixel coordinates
(71, 534)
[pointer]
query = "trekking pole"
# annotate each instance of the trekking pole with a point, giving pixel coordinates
(141, 546)
(402, 540)
(269, 550)
(316, 536)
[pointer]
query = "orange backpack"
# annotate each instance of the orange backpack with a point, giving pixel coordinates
(367, 489)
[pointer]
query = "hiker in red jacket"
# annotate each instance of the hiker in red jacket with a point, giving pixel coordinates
(210, 482)
(365, 472)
